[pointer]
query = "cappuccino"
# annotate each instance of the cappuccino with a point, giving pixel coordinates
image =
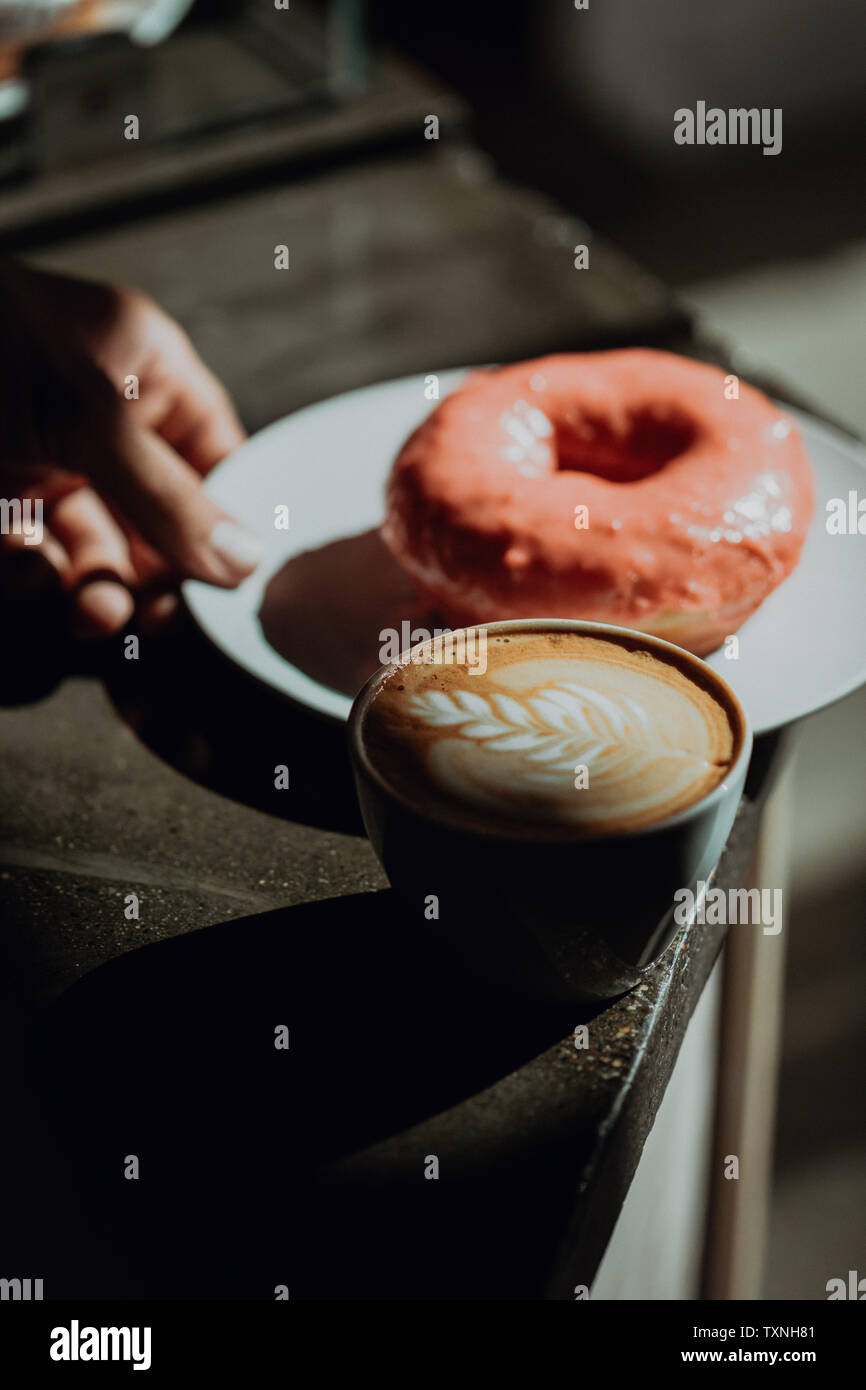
(565, 733)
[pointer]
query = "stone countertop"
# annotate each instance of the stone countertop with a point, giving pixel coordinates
(156, 778)
(133, 783)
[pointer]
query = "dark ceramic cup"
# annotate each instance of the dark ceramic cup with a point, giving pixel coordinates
(558, 919)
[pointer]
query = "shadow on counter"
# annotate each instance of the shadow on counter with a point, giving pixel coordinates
(168, 1054)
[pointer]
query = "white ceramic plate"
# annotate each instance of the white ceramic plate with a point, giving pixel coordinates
(308, 621)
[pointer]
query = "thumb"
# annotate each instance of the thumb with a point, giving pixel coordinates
(162, 497)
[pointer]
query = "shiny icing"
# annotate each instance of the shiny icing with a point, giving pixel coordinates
(629, 487)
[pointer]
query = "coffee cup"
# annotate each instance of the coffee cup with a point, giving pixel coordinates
(538, 791)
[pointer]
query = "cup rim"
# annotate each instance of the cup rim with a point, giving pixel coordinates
(364, 697)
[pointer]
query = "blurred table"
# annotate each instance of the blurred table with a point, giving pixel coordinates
(156, 778)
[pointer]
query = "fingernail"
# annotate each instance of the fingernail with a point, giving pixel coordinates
(101, 607)
(156, 614)
(239, 548)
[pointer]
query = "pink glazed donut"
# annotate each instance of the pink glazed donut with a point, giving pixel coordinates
(622, 487)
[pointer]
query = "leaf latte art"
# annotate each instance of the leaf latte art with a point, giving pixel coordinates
(563, 729)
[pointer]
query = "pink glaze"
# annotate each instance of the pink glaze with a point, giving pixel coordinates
(698, 505)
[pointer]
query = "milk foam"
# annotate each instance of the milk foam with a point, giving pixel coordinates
(577, 730)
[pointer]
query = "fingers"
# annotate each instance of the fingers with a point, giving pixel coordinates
(162, 497)
(97, 560)
(91, 537)
(101, 607)
(99, 563)
(99, 570)
(200, 421)
(142, 457)
(159, 612)
(179, 397)
(84, 561)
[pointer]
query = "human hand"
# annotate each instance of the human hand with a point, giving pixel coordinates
(119, 476)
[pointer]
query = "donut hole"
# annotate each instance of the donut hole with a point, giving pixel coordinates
(626, 450)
